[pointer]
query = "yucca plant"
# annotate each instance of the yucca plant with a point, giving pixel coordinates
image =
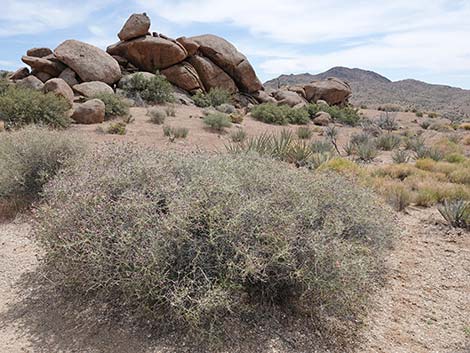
(456, 213)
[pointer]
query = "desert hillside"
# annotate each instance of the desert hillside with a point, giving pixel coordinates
(374, 90)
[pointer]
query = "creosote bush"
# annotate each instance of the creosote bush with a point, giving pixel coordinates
(23, 106)
(271, 113)
(32, 156)
(115, 106)
(175, 132)
(195, 240)
(217, 121)
(152, 90)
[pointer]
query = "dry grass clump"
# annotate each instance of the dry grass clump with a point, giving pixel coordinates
(175, 132)
(30, 157)
(194, 241)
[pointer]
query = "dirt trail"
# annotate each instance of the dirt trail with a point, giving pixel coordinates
(425, 306)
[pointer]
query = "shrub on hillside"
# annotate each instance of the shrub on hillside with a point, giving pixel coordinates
(115, 106)
(200, 240)
(32, 156)
(344, 115)
(271, 113)
(217, 121)
(156, 115)
(152, 90)
(214, 98)
(22, 106)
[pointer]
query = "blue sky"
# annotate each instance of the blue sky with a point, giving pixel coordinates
(427, 40)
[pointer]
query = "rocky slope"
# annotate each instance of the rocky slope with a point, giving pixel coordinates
(372, 89)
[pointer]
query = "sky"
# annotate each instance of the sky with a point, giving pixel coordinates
(428, 40)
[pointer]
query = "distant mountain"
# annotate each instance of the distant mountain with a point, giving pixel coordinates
(371, 89)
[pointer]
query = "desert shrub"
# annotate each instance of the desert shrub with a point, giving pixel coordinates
(466, 141)
(433, 115)
(32, 156)
(156, 115)
(342, 166)
(400, 156)
(440, 127)
(322, 146)
(414, 143)
(297, 116)
(152, 90)
(23, 106)
(397, 195)
(154, 234)
(456, 213)
(226, 108)
(270, 113)
(344, 115)
(170, 110)
(175, 132)
(460, 176)
(239, 135)
(115, 106)
(236, 118)
(388, 142)
(4, 85)
(214, 98)
(455, 158)
(217, 121)
(304, 133)
(118, 128)
(387, 122)
(367, 151)
(419, 114)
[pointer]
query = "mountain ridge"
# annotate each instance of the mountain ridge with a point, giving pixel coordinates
(373, 90)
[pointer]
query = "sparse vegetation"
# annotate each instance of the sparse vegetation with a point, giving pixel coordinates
(388, 142)
(304, 133)
(280, 114)
(155, 246)
(456, 213)
(156, 115)
(239, 135)
(387, 122)
(344, 115)
(155, 90)
(23, 106)
(175, 132)
(117, 128)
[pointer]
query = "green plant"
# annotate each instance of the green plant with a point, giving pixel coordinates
(157, 116)
(297, 116)
(456, 213)
(322, 146)
(175, 132)
(425, 124)
(152, 90)
(226, 108)
(239, 135)
(270, 113)
(388, 142)
(217, 121)
(344, 115)
(30, 157)
(23, 106)
(304, 132)
(214, 98)
(118, 128)
(367, 151)
(419, 114)
(115, 106)
(197, 241)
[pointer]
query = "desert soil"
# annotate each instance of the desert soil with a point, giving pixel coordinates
(423, 307)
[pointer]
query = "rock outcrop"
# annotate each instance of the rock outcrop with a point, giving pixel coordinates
(90, 112)
(184, 76)
(91, 89)
(60, 88)
(332, 90)
(137, 25)
(89, 62)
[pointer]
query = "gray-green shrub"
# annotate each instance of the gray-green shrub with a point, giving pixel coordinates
(217, 121)
(196, 240)
(32, 156)
(214, 98)
(23, 106)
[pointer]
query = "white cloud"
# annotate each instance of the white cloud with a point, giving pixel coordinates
(19, 17)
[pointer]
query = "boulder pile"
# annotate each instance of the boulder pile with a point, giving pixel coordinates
(194, 64)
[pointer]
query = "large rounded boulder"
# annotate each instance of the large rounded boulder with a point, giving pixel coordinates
(90, 112)
(91, 89)
(150, 53)
(211, 75)
(332, 90)
(227, 57)
(137, 25)
(60, 88)
(89, 62)
(184, 76)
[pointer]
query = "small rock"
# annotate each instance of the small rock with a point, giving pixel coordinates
(322, 119)
(90, 112)
(31, 82)
(39, 52)
(20, 74)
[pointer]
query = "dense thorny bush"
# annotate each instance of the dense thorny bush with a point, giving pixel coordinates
(115, 106)
(192, 240)
(22, 106)
(30, 157)
(152, 90)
